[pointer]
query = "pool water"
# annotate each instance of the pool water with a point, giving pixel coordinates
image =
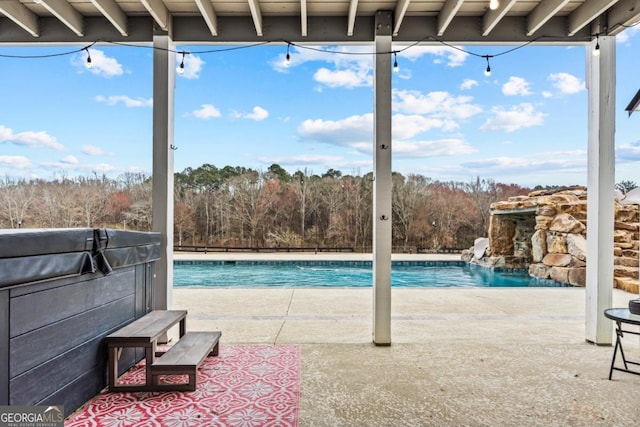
(250, 274)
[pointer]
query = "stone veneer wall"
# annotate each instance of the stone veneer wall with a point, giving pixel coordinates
(546, 233)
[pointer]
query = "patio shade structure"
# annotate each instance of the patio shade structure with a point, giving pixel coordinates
(380, 24)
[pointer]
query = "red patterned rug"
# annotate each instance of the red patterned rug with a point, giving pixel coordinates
(245, 385)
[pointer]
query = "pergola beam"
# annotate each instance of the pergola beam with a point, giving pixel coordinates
(544, 11)
(329, 30)
(113, 12)
(158, 11)
(447, 13)
(303, 18)
(351, 18)
(586, 13)
(256, 14)
(491, 18)
(623, 14)
(22, 16)
(401, 10)
(209, 15)
(70, 17)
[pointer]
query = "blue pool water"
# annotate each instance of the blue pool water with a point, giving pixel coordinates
(250, 274)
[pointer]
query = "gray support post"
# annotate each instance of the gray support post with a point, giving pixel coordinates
(382, 184)
(601, 80)
(164, 75)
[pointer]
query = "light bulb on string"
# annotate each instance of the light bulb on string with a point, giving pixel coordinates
(88, 63)
(596, 49)
(395, 62)
(181, 67)
(494, 4)
(487, 71)
(287, 59)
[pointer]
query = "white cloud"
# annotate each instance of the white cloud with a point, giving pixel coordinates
(541, 162)
(257, 114)
(408, 126)
(297, 57)
(192, 65)
(627, 33)
(92, 150)
(344, 78)
(71, 160)
(531, 170)
(426, 149)
(352, 66)
(101, 64)
(344, 132)
(547, 94)
(628, 152)
(438, 104)
(66, 165)
(206, 111)
(29, 139)
(454, 57)
(342, 57)
(16, 162)
(516, 86)
(357, 132)
(468, 84)
(308, 159)
(567, 84)
(125, 100)
(518, 117)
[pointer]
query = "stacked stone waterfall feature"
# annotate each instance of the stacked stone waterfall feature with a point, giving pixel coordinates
(546, 231)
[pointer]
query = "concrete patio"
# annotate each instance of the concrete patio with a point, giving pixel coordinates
(459, 357)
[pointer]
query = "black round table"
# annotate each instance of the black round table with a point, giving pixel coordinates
(622, 316)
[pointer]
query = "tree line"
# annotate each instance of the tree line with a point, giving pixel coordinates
(241, 207)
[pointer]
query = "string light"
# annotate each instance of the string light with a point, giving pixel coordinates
(596, 50)
(395, 62)
(88, 63)
(287, 59)
(494, 4)
(288, 56)
(487, 72)
(181, 67)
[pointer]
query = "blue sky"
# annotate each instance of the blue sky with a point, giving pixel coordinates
(526, 123)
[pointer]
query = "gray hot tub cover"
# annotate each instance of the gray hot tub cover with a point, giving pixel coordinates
(31, 255)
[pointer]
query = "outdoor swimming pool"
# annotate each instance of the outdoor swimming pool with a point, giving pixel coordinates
(287, 274)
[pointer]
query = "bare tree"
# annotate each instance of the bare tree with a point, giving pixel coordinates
(17, 197)
(407, 195)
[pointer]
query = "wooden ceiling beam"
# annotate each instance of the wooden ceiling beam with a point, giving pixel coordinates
(256, 14)
(585, 13)
(113, 12)
(303, 18)
(491, 18)
(22, 16)
(209, 15)
(401, 10)
(544, 11)
(622, 15)
(446, 15)
(351, 18)
(158, 12)
(62, 10)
